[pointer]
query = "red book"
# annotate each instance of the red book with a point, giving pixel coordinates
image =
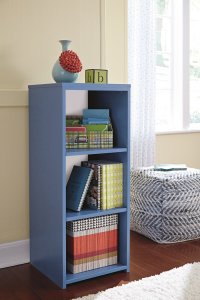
(76, 129)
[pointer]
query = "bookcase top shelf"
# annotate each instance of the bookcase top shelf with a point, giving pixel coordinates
(84, 86)
(74, 152)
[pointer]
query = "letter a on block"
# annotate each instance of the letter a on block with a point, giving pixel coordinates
(89, 76)
(100, 78)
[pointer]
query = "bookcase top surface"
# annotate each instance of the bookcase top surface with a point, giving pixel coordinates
(84, 86)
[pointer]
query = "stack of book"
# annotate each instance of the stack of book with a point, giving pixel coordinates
(106, 187)
(96, 116)
(92, 243)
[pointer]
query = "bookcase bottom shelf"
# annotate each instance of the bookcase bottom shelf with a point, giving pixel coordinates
(72, 278)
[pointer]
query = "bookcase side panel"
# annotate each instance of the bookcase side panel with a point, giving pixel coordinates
(47, 182)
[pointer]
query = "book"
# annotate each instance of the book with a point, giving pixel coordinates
(96, 116)
(96, 121)
(108, 184)
(76, 129)
(99, 113)
(77, 187)
(170, 167)
(93, 197)
(96, 196)
(114, 185)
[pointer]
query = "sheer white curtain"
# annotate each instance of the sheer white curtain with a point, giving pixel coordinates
(141, 72)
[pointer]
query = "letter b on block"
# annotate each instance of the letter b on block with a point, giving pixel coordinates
(96, 76)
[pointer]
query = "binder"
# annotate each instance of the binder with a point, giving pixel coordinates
(77, 187)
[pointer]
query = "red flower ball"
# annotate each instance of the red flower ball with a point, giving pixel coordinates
(70, 61)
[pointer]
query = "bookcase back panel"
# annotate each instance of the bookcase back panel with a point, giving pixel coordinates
(73, 160)
(76, 101)
(118, 104)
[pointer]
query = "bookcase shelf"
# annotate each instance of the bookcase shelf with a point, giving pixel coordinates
(72, 278)
(89, 213)
(49, 162)
(74, 152)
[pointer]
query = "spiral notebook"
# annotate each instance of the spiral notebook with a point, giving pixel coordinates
(77, 187)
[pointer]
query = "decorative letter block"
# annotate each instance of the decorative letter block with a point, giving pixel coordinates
(96, 76)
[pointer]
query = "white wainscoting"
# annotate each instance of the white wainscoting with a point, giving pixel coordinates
(14, 253)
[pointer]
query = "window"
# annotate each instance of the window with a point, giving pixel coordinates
(177, 65)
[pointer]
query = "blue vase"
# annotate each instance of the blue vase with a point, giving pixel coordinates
(58, 73)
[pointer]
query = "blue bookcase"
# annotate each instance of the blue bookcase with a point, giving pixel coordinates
(48, 215)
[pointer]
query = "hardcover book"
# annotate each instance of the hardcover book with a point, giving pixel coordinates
(96, 113)
(77, 187)
(96, 116)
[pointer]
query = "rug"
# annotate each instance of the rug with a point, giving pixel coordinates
(177, 284)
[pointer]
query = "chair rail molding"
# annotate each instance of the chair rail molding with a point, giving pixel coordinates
(13, 98)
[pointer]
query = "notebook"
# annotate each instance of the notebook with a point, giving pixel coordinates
(170, 167)
(77, 187)
(93, 196)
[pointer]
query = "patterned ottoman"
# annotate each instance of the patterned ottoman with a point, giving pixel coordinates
(165, 206)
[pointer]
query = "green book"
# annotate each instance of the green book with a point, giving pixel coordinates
(114, 185)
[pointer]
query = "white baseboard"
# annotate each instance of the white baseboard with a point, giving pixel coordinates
(14, 253)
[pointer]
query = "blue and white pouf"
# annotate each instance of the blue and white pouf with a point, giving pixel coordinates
(165, 206)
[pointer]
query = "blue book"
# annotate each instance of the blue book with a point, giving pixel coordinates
(77, 187)
(100, 113)
(96, 121)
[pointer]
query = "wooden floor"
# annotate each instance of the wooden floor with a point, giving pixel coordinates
(147, 258)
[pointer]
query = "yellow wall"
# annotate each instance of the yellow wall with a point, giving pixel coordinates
(14, 166)
(114, 39)
(29, 46)
(179, 148)
(30, 30)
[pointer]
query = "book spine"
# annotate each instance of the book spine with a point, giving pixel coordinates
(114, 185)
(99, 187)
(94, 191)
(103, 187)
(85, 190)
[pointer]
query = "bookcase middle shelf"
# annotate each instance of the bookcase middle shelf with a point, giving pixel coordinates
(74, 152)
(89, 213)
